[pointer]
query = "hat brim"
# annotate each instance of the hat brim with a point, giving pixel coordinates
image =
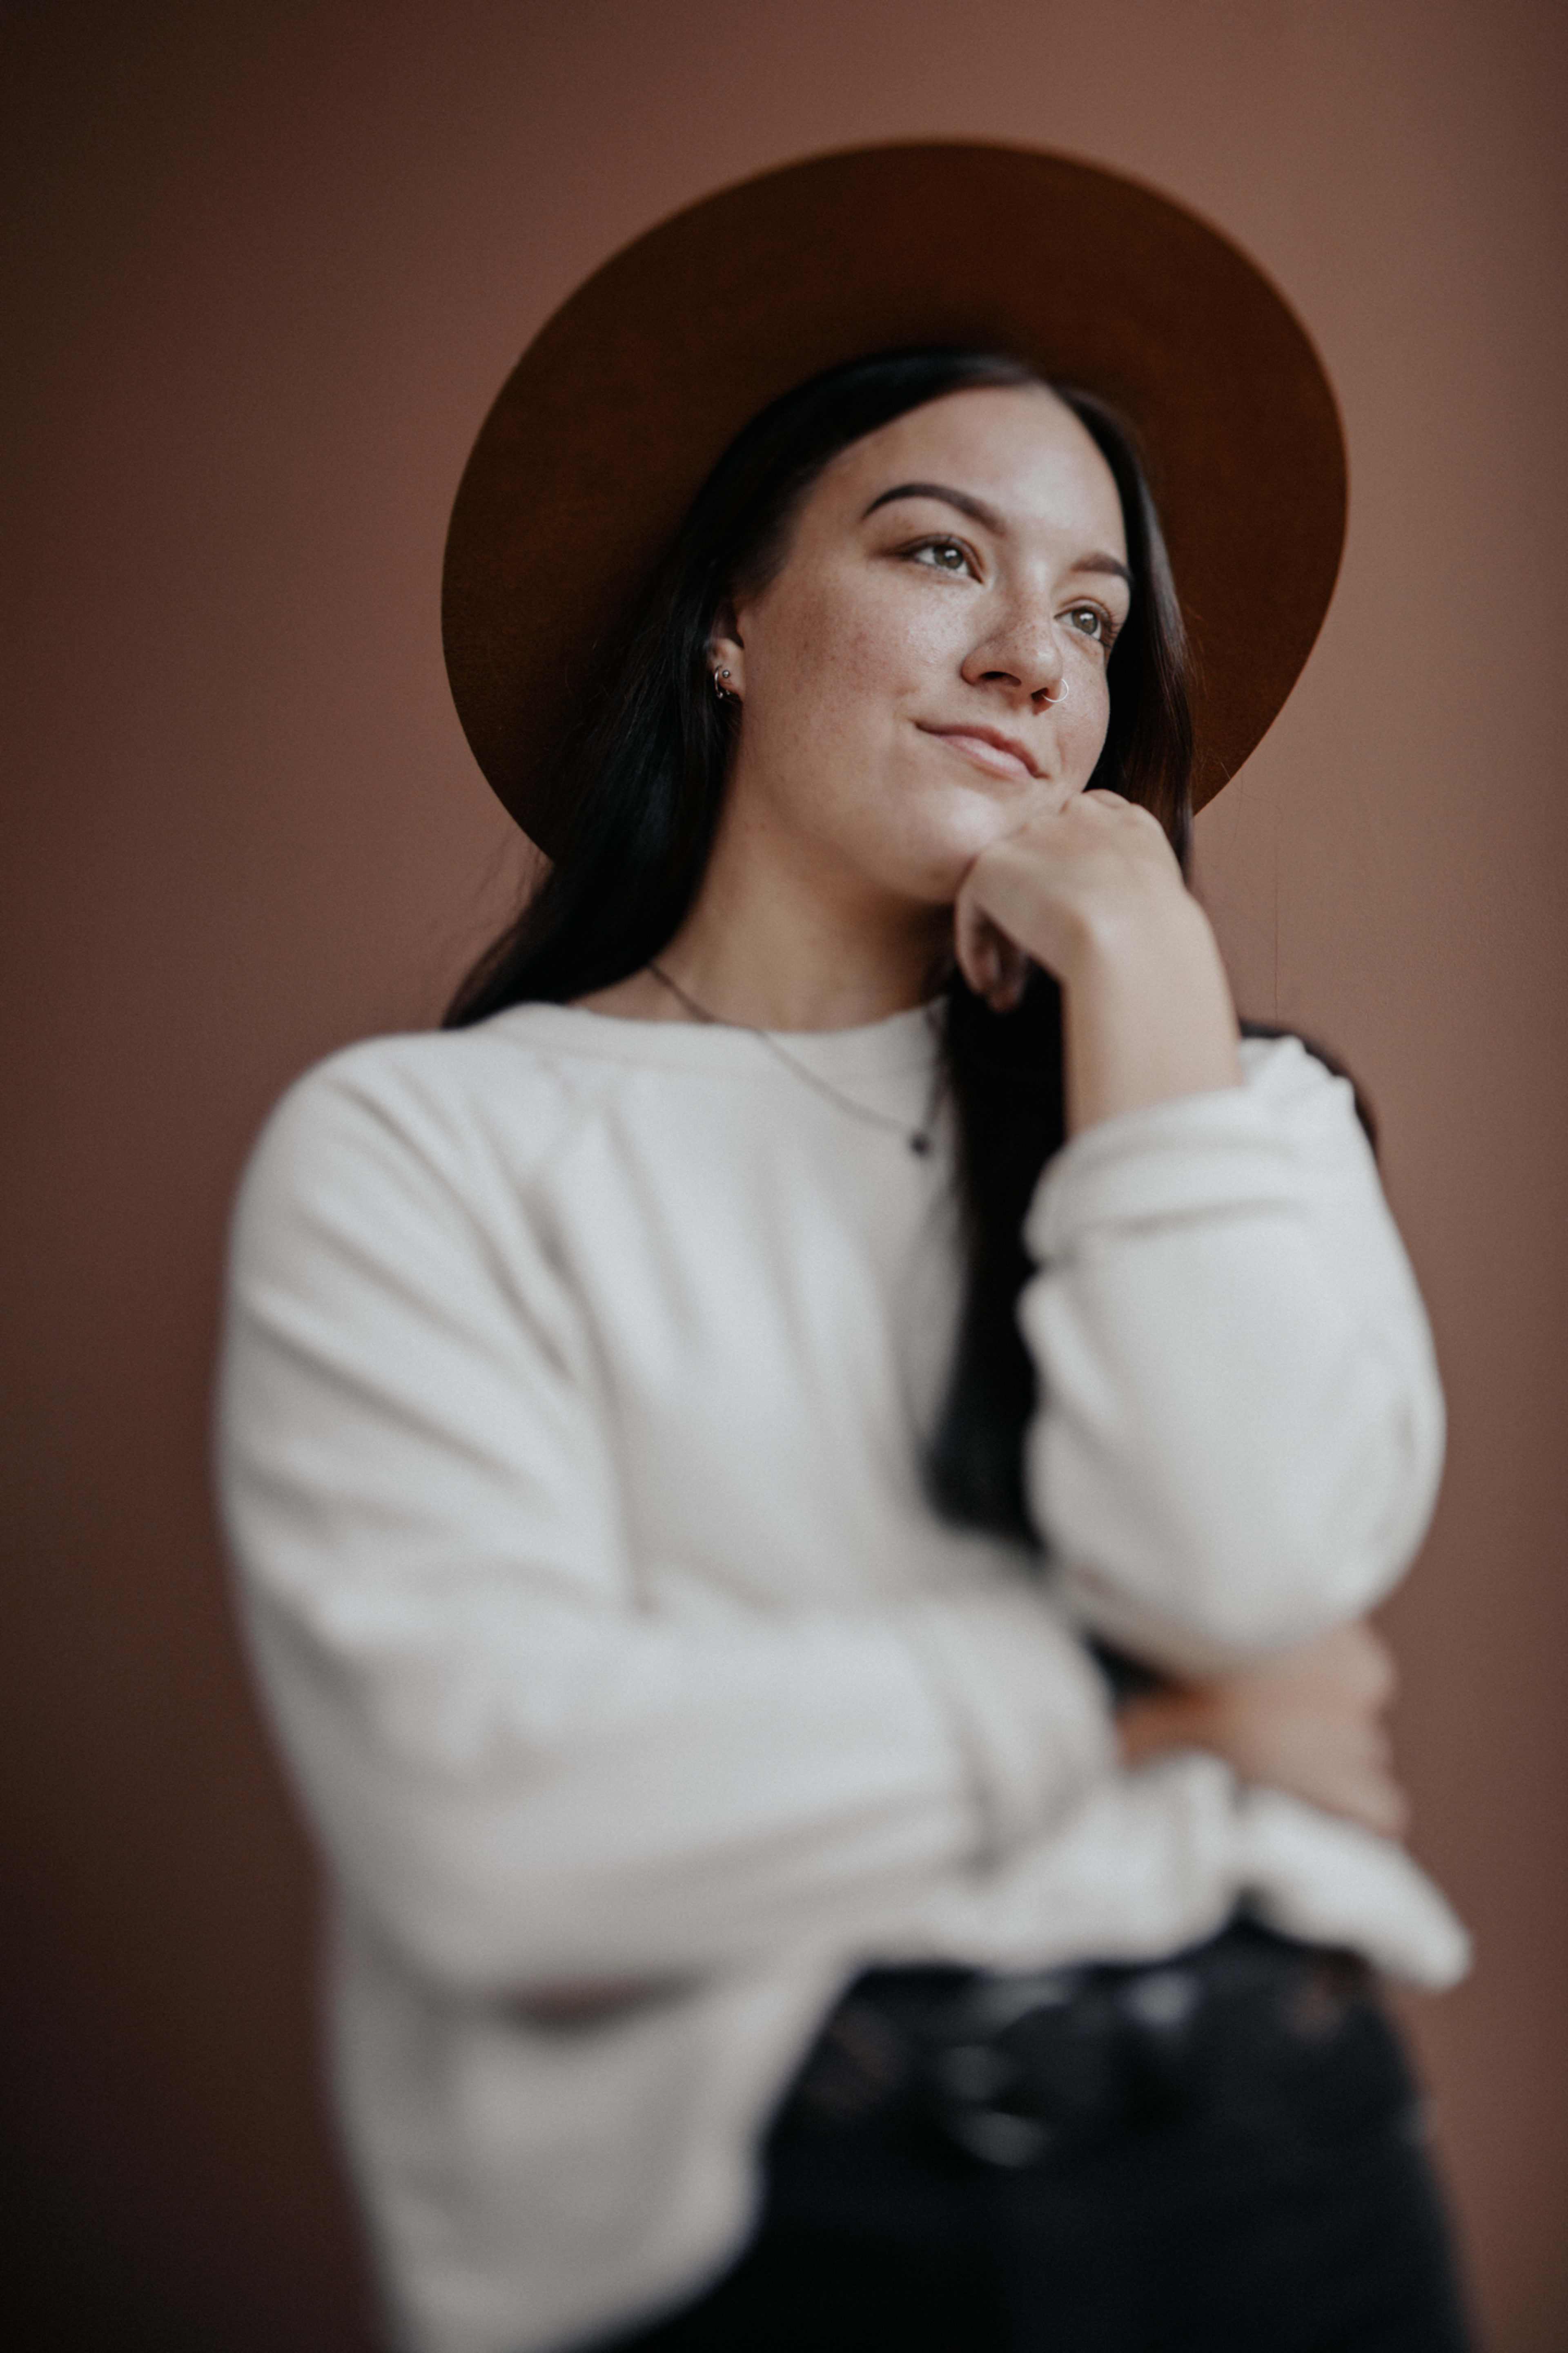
(620, 406)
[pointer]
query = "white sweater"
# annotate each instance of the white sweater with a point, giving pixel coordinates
(571, 1416)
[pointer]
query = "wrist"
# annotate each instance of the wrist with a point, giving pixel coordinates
(1159, 1722)
(1150, 940)
(1147, 1011)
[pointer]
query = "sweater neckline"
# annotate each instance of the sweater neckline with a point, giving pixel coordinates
(899, 1043)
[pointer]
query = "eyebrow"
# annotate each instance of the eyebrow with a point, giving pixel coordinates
(978, 509)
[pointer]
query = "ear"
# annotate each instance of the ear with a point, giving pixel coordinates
(727, 650)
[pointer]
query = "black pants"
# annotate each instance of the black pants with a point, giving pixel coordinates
(1220, 2156)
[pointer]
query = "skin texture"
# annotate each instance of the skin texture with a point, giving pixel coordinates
(923, 696)
(1310, 1721)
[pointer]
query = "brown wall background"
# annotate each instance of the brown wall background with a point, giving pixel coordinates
(271, 262)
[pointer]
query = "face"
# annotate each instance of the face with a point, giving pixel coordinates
(927, 669)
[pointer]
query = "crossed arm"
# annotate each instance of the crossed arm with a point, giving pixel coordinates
(1094, 894)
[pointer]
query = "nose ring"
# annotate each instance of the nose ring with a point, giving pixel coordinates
(1051, 700)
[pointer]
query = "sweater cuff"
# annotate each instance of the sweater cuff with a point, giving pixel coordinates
(1327, 1882)
(1189, 1157)
(1031, 1712)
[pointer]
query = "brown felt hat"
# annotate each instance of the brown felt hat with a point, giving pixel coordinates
(614, 414)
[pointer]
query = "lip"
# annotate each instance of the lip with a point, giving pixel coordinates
(989, 748)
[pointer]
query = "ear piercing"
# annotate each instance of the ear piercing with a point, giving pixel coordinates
(723, 692)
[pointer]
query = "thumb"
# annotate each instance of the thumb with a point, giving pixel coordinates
(994, 966)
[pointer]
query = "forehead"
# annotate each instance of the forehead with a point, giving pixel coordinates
(1017, 446)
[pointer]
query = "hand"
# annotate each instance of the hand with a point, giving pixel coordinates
(1308, 1722)
(1058, 885)
(1093, 893)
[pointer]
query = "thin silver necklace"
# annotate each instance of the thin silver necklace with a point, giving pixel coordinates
(918, 1139)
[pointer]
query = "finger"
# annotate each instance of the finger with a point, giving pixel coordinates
(1382, 1675)
(1012, 972)
(1117, 804)
(974, 938)
(1132, 813)
(993, 965)
(1369, 1664)
(1375, 1800)
(1388, 1808)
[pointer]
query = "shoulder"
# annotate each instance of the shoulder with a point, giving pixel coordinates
(439, 1112)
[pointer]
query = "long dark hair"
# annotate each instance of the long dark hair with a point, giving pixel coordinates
(638, 779)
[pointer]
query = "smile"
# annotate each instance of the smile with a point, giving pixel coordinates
(999, 754)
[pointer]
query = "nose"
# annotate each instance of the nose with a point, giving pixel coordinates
(1020, 653)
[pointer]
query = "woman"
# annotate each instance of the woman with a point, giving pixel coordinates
(807, 1474)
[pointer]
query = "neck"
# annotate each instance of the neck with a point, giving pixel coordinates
(759, 948)
(773, 943)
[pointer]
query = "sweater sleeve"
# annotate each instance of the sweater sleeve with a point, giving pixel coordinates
(1241, 1428)
(518, 1765)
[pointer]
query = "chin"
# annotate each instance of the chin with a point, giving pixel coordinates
(943, 847)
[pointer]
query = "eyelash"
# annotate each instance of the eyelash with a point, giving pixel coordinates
(1108, 627)
(1107, 630)
(927, 547)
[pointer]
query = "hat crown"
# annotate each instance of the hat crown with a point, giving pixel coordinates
(626, 398)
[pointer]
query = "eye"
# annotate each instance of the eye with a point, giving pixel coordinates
(1092, 622)
(943, 556)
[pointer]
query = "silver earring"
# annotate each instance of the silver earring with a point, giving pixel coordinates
(720, 689)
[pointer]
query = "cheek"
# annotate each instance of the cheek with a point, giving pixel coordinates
(852, 654)
(1080, 729)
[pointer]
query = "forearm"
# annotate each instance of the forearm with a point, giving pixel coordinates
(1147, 1013)
(1240, 1427)
(590, 1797)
